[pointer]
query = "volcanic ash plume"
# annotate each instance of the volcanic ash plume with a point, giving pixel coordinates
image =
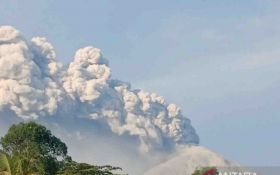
(34, 85)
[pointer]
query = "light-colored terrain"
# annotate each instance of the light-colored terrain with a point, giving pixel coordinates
(187, 160)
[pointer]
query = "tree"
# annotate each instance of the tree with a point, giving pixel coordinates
(31, 149)
(35, 146)
(74, 168)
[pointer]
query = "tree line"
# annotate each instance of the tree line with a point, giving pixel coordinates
(31, 149)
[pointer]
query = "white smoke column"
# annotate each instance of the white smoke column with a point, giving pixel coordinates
(34, 85)
(26, 88)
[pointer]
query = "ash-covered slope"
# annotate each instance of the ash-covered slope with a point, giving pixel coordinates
(187, 160)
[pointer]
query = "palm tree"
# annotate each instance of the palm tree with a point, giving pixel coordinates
(8, 165)
(14, 165)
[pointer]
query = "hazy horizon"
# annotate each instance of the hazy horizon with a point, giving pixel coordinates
(217, 61)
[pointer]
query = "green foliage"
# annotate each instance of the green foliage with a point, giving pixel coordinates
(206, 171)
(9, 165)
(25, 135)
(31, 149)
(35, 146)
(5, 163)
(74, 168)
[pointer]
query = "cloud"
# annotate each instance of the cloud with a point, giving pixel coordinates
(33, 85)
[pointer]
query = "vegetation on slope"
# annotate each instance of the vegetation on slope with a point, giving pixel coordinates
(31, 149)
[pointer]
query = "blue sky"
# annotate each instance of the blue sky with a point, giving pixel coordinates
(218, 60)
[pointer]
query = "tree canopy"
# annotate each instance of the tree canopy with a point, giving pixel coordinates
(31, 149)
(35, 146)
(24, 135)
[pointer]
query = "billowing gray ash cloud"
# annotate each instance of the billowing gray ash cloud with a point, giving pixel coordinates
(34, 85)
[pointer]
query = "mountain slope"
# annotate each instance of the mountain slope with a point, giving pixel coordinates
(187, 160)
